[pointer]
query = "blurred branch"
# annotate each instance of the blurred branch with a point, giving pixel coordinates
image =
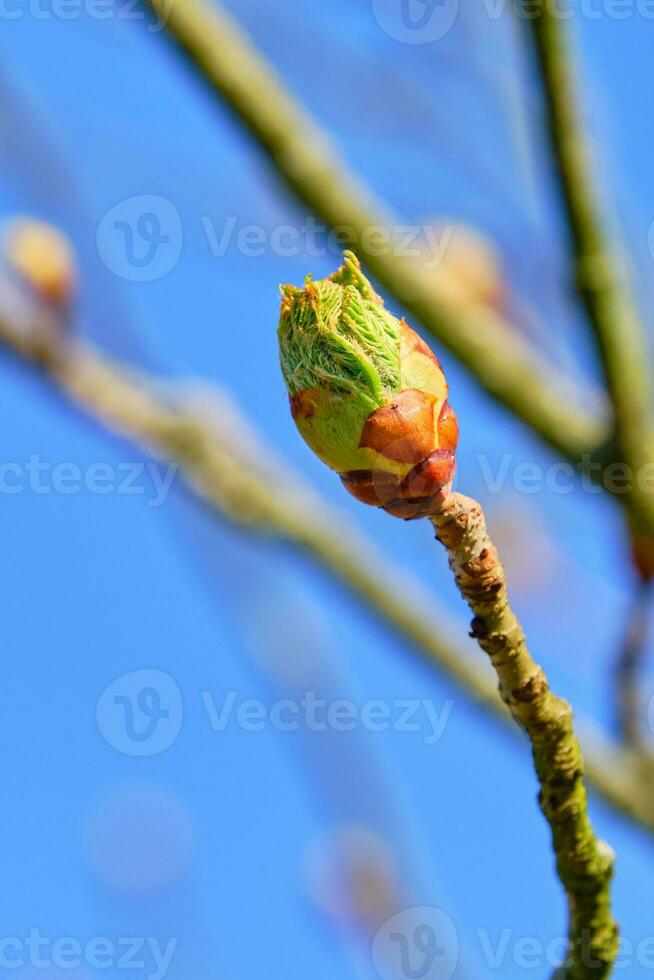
(242, 482)
(628, 667)
(240, 479)
(500, 359)
(584, 863)
(599, 272)
(611, 312)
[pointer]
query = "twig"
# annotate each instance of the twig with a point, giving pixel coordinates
(241, 482)
(584, 863)
(628, 666)
(369, 397)
(231, 469)
(599, 272)
(500, 359)
(611, 313)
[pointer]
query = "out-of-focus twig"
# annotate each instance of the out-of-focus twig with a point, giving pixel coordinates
(242, 482)
(628, 666)
(239, 478)
(612, 315)
(600, 275)
(500, 359)
(584, 863)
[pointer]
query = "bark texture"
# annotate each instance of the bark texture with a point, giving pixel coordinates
(584, 863)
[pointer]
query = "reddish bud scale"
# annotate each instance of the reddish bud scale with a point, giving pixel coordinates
(423, 488)
(407, 430)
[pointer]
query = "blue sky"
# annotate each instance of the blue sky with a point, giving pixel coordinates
(225, 843)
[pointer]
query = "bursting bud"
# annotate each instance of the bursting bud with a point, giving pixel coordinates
(42, 256)
(367, 394)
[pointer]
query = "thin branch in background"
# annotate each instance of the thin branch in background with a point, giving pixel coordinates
(584, 863)
(232, 471)
(628, 667)
(497, 356)
(614, 320)
(600, 274)
(502, 362)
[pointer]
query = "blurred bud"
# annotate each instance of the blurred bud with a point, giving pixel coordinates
(464, 266)
(367, 394)
(42, 255)
(352, 876)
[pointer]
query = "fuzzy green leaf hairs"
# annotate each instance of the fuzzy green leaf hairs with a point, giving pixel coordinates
(367, 394)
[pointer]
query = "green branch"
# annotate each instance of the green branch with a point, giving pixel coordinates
(599, 273)
(584, 863)
(572, 422)
(231, 470)
(499, 358)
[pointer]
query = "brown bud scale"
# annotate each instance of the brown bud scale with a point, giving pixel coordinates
(403, 430)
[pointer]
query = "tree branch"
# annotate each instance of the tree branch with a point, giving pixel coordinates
(599, 272)
(500, 359)
(584, 863)
(231, 470)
